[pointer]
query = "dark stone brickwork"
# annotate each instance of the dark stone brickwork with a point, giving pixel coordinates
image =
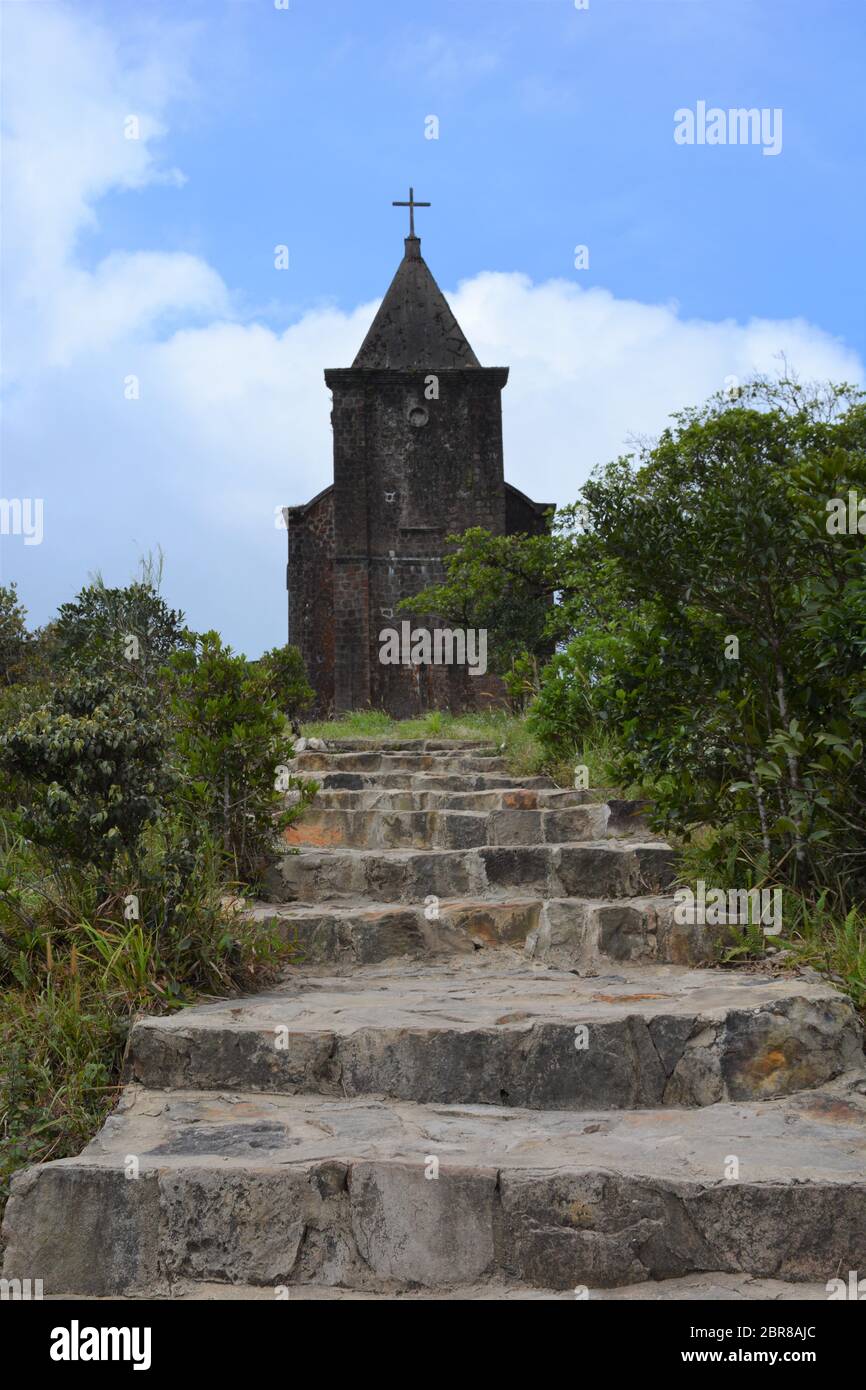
(310, 582)
(417, 456)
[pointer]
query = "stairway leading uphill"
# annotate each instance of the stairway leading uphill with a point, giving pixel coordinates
(501, 1069)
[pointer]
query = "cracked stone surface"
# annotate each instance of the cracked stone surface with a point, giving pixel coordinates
(702, 1287)
(479, 1032)
(244, 1188)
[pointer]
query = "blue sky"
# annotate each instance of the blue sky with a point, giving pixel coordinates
(262, 126)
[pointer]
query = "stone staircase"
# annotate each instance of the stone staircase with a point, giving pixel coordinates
(500, 1069)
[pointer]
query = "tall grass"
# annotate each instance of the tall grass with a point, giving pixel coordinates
(826, 930)
(74, 974)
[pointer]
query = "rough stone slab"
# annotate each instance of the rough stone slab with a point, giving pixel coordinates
(275, 1190)
(596, 869)
(430, 781)
(575, 934)
(409, 745)
(379, 829)
(367, 934)
(488, 1031)
(738, 1288)
(502, 799)
(377, 761)
(584, 934)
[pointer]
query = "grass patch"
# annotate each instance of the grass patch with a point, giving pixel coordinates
(822, 930)
(832, 941)
(507, 732)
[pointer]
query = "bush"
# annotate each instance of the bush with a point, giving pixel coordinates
(504, 585)
(287, 681)
(232, 744)
(13, 635)
(133, 798)
(88, 770)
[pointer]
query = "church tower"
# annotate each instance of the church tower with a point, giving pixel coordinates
(417, 427)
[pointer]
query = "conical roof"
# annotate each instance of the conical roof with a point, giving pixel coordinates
(414, 327)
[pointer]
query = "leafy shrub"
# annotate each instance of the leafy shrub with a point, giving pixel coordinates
(88, 770)
(13, 635)
(231, 741)
(287, 681)
(503, 584)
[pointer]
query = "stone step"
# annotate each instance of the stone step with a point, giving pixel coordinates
(715, 1286)
(322, 827)
(299, 1192)
(486, 1031)
(596, 869)
(578, 934)
(515, 799)
(409, 745)
(373, 761)
(428, 781)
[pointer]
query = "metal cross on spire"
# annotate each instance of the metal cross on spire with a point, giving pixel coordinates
(411, 205)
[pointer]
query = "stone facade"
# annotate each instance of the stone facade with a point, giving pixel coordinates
(417, 427)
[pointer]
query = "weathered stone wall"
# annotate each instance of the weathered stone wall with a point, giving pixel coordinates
(522, 516)
(310, 584)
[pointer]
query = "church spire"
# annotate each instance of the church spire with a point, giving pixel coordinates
(414, 327)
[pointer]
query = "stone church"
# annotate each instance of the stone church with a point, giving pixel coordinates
(417, 426)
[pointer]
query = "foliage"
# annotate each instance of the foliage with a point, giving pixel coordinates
(130, 629)
(232, 740)
(504, 584)
(88, 770)
(287, 681)
(127, 819)
(74, 972)
(733, 674)
(13, 635)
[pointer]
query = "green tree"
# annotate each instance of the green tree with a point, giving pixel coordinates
(129, 629)
(735, 675)
(505, 585)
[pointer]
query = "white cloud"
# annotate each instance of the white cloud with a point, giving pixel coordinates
(233, 417)
(588, 371)
(68, 99)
